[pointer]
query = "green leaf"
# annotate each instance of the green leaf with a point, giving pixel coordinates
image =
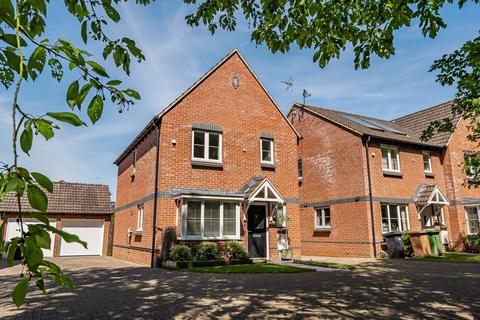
(20, 292)
(26, 139)
(67, 117)
(98, 69)
(12, 184)
(111, 12)
(6, 73)
(114, 83)
(84, 31)
(40, 217)
(37, 198)
(56, 69)
(36, 62)
(68, 237)
(95, 108)
(33, 253)
(44, 127)
(11, 39)
(83, 94)
(42, 180)
(72, 94)
(12, 248)
(132, 93)
(42, 238)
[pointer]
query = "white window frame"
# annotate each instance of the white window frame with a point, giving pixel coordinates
(389, 158)
(322, 212)
(202, 220)
(271, 151)
(140, 215)
(399, 217)
(427, 153)
(207, 146)
(466, 217)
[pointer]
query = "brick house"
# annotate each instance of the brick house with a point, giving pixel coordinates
(219, 163)
(361, 177)
(78, 208)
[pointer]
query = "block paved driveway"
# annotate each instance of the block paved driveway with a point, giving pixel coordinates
(109, 288)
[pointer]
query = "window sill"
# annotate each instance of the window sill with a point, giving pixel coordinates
(473, 181)
(265, 165)
(429, 175)
(388, 173)
(192, 238)
(322, 229)
(208, 164)
(138, 232)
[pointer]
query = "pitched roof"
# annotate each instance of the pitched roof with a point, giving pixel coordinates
(418, 121)
(67, 198)
(156, 118)
(365, 126)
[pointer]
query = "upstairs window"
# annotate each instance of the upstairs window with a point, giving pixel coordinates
(266, 151)
(207, 146)
(300, 170)
(322, 218)
(134, 162)
(140, 218)
(427, 162)
(390, 159)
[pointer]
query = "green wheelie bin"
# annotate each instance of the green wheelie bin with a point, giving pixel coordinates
(434, 241)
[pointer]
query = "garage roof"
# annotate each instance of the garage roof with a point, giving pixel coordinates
(68, 198)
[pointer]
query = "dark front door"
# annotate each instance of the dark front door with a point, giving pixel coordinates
(257, 232)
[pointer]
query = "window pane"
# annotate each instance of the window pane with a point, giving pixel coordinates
(266, 150)
(199, 144)
(385, 159)
(472, 220)
(211, 222)
(194, 218)
(394, 223)
(214, 146)
(318, 218)
(300, 168)
(385, 227)
(403, 218)
(394, 156)
(229, 219)
(426, 162)
(327, 216)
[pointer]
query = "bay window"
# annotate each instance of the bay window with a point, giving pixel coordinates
(394, 217)
(211, 219)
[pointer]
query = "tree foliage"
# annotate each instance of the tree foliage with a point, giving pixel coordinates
(367, 26)
(22, 28)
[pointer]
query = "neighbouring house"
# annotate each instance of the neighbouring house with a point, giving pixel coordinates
(361, 177)
(78, 208)
(219, 163)
(461, 189)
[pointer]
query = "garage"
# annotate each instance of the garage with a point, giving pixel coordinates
(13, 230)
(89, 230)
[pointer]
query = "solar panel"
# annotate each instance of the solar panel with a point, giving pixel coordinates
(384, 126)
(362, 122)
(372, 124)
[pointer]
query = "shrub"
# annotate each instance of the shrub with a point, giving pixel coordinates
(207, 251)
(471, 242)
(180, 252)
(235, 250)
(407, 245)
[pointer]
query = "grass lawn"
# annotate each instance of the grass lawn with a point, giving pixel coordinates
(335, 265)
(249, 268)
(454, 257)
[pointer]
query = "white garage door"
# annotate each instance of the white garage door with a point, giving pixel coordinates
(13, 230)
(88, 230)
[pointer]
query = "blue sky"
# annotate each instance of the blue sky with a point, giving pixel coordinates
(177, 55)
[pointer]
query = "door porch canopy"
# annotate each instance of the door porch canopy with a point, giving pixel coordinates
(429, 195)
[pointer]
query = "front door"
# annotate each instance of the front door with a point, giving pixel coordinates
(257, 231)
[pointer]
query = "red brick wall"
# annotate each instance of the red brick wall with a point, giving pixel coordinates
(457, 186)
(243, 113)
